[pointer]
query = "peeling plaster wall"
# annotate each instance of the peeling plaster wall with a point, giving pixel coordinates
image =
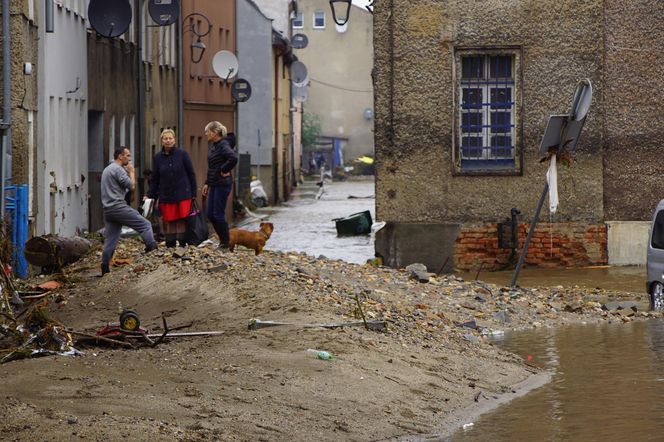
(561, 42)
(23, 49)
(634, 122)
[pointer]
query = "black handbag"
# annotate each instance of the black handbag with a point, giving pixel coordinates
(197, 226)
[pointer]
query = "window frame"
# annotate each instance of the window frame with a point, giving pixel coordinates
(516, 113)
(299, 14)
(314, 19)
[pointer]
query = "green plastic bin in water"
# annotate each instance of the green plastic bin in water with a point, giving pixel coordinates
(355, 224)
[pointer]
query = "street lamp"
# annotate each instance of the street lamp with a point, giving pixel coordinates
(197, 47)
(197, 51)
(340, 15)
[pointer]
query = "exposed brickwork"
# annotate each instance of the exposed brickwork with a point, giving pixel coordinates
(571, 244)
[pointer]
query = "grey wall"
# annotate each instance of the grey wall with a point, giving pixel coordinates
(561, 42)
(62, 156)
(254, 52)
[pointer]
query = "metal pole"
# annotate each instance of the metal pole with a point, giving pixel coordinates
(6, 102)
(178, 37)
(258, 154)
(141, 100)
(524, 250)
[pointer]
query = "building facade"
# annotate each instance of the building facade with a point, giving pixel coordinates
(284, 158)
(61, 193)
(206, 97)
(254, 117)
(458, 128)
(339, 61)
(20, 135)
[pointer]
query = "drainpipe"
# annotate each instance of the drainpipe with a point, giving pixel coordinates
(141, 99)
(178, 43)
(5, 123)
(275, 149)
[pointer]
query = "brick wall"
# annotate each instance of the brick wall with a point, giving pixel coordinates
(568, 244)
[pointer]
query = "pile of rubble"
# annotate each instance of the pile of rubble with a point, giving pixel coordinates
(411, 304)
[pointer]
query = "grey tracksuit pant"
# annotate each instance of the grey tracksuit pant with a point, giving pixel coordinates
(123, 215)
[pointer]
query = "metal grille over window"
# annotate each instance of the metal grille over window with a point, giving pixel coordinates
(487, 110)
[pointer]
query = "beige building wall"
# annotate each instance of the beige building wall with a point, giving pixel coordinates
(339, 62)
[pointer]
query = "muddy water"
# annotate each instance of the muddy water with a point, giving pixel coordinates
(304, 223)
(608, 385)
(627, 279)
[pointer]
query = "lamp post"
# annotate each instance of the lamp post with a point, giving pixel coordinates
(340, 11)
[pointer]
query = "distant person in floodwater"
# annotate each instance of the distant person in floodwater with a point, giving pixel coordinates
(320, 160)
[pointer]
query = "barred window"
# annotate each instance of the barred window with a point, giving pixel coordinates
(486, 110)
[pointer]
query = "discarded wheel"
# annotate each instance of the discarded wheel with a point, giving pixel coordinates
(657, 296)
(129, 320)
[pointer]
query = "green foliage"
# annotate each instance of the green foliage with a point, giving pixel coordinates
(311, 130)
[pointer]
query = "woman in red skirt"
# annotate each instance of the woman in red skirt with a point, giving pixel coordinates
(174, 184)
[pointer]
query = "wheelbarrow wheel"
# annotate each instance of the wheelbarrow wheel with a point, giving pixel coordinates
(129, 320)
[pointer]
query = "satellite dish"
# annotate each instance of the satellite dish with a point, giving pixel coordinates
(225, 65)
(164, 12)
(110, 18)
(241, 90)
(298, 73)
(300, 94)
(299, 41)
(583, 96)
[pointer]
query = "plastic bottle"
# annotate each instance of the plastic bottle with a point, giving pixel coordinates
(320, 354)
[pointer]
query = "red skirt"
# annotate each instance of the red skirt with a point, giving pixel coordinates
(175, 211)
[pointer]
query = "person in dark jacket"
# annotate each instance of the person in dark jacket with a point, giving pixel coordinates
(173, 182)
(219, 183)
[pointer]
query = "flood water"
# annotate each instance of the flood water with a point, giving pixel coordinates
(607, 380)
(608, 385)
(305, 224)
(624, 279)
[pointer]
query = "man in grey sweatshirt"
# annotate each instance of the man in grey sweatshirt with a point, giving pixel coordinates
(117, 179)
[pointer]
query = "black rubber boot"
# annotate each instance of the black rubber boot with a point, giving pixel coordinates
(170, 240)
(224, 235)
(105, 269)
(221, 229)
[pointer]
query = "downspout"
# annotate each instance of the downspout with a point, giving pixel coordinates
(291, 132)
(5, 123)
(178, 44)
(141, 99)
(275, 149)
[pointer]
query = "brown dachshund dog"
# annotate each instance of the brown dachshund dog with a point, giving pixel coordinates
(251, 240)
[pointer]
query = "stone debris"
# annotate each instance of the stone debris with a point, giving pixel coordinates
(411, 311)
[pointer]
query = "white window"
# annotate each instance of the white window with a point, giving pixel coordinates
(319, 20)
(486, 108)
(298, 20)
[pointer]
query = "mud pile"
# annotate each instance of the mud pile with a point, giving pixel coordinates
(421, 375)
